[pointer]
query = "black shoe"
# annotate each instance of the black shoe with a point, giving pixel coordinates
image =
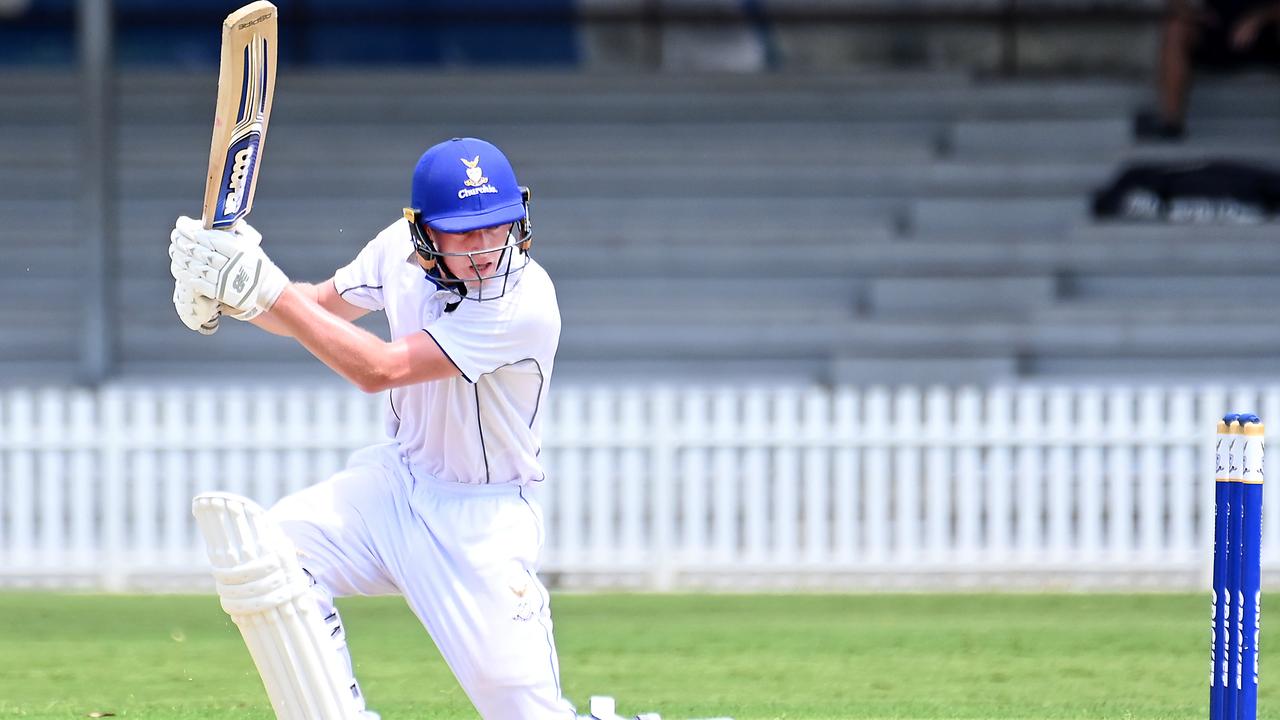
(1148, 125)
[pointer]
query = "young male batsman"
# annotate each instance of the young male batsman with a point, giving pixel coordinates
(440, 513)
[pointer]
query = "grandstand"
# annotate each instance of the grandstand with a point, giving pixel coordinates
(830, 227)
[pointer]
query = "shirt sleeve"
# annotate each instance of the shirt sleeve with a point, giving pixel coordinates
(360, 281)
(480, 337)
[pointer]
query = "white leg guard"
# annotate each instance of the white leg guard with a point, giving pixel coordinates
(269, 597)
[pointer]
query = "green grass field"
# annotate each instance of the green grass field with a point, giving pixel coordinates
(752, 657)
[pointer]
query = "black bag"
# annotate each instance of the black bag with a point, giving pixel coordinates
(1214, 191)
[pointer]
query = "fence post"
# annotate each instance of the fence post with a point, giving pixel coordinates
(663, 447)
(692, 504)
(1062, 496)
(1183, 474)
(21, 499)
(1029, 432)
(175, 477)
(635, 486)
(785, 420)
(848, 477)
(52, 425)
(602, 477)
(113, 431)
(569, 480)
(1121, 424)
(938, 432)
(755, 462)
(86, 481)
(726, 485)
(969, 498)
(1152, 430)
(877, 477)
(999, 481)
(816, 424)
(907, 431)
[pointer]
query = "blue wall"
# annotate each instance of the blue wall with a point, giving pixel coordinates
(314, 32)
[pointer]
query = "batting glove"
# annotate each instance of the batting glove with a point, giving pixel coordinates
(228, 267)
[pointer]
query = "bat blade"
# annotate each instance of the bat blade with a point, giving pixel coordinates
(246, 84)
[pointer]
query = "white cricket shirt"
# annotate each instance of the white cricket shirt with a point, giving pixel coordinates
(484, 427)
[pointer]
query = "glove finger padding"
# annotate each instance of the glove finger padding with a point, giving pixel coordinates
(196, 284)
(196, 311)
(194, 231)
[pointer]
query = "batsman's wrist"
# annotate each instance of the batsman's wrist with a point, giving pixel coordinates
(274, 283)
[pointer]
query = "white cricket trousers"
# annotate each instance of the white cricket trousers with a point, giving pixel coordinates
(463, 556)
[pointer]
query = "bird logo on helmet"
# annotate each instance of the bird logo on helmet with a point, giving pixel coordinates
(475, 176)
(459, 197)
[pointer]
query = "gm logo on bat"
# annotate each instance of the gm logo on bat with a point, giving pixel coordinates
(239, 175)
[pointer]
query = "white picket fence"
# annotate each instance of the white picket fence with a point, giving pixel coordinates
(664, 487)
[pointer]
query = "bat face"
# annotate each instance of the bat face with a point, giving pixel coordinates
(246, 82)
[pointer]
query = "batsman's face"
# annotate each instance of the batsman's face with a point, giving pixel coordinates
(474, 255)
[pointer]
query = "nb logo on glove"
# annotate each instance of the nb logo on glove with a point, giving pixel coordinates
(242, 277)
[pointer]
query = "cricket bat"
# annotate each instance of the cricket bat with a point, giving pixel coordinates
(246, 82)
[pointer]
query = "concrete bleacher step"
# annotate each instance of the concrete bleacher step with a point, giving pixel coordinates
(383, 144)
(586, 219)
(163, 338)
(955, 296)
(897, 95)
(1157, 311)
(35, 147)
(916, 370)
(1260, 130)
(622, 299)
(37, 220)
(1213, 237)
(1220, 290)
(893, 182)
(1232, 98)
(32, 343)
(400, 97)
(543, 96)
(1263, 151)
(1226, 368)
(1040, 138)
(960, 215)
(932, 337)
(723, 370)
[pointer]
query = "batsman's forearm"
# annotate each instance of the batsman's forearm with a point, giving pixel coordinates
(354, 353)
(270, 323)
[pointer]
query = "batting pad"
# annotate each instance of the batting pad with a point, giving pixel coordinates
(263, 589)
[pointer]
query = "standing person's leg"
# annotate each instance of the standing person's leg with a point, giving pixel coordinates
(1175, 67)
(338, 526)
(277, 573)
(1179, 33)
(469, 574)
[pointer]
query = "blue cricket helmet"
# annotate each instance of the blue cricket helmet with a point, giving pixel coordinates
(461, 185)
(466, 184)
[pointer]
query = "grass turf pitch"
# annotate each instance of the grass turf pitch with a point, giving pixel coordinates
(747, 656)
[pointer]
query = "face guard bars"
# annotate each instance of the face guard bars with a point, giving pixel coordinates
(519, 238)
